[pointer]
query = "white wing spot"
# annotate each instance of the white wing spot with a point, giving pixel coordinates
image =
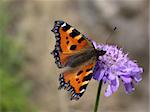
(82, 90)
(64, 25)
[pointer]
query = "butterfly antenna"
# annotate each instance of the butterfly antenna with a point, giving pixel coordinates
(111, 34)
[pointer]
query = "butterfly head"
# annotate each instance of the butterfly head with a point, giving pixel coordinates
(100, 52)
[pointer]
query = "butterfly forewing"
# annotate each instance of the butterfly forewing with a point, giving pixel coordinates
(76, 81)
(69, 42)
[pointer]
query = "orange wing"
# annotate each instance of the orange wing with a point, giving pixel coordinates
(69, 41)
(76, 81)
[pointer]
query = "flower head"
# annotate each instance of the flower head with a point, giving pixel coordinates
(115, 65)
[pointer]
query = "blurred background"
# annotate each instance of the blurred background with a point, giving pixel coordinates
(28, 74)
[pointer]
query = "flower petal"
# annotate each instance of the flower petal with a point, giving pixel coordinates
(98, 75)
(105, 79)
(129, 87)
(108, 91)
(111, 76)
(115, 84)
(126, 79)
(137, 77)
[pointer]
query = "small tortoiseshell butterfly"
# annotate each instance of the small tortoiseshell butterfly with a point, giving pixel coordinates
(77, 52)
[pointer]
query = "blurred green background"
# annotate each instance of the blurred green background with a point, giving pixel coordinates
(28, 74)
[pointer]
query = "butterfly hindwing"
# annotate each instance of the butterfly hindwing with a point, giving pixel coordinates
(76, 81)
(69, 41)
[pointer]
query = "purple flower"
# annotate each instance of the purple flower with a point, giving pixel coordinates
(115, 65)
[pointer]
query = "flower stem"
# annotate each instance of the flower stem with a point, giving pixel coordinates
(98, 96)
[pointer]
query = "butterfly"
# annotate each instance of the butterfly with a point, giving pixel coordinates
(75, 52)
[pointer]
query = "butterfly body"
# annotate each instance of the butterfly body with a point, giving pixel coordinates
(77, 52)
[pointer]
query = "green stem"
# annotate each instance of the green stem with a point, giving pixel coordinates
(98, 96)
